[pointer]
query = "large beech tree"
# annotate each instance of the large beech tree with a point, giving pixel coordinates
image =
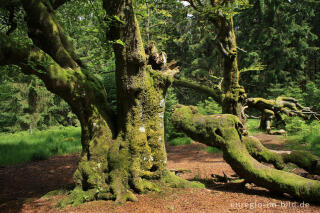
(123, 151)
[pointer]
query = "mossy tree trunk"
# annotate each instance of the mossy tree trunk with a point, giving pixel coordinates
(122, 152)
(234, 94)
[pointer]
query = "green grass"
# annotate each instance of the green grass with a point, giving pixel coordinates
(253, 126)
(23, 147)
(211, 149)
(303, 136)
(180, 141)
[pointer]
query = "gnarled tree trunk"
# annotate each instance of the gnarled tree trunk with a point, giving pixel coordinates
(122, 152)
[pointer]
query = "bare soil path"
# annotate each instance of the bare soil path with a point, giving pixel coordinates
(22, 186)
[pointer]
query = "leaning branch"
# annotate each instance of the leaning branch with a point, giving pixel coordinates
(214, 92)
(31, 59)
(34, 61)
(42, 24)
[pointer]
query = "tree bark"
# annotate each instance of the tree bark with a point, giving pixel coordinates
(234, 94)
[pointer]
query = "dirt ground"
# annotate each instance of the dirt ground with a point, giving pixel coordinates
(22, 186)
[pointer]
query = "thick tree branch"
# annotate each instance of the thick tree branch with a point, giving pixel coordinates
(47, 34)
(31, 59)
(222, 131)
(215, 92)
(303, 159)
(34, 61)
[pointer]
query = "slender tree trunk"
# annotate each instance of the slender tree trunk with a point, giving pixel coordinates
(234, 94)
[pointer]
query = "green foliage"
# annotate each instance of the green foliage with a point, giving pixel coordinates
(295, 125)
(26, 104)
(253, 126)
(180, 141)
(284, 36)
(312, 95)
(302, 135)
(289, 90)
(211, 149)
(171, 102)
(209, 107)
(23, 146)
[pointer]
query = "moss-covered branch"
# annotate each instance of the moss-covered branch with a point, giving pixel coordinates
(73, 85)
(214, 92)
(273, 109)
(30, 58)
(303, 159)
(47, 34)
(222, 131)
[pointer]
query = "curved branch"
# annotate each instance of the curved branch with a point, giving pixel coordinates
(30, 58)
(47, 34)
(222, 131)
(215, 92)
(303, 159)
(75, 86)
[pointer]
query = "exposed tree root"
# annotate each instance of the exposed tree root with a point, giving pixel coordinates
(222, 131)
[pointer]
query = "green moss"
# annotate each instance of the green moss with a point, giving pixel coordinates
(174, 181)
(77, 197)
(56, 192)
(305, 160)
(259, 152)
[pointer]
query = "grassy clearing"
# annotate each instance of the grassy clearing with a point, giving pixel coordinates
(211, 149)
(180, 141)
(302, 135)
(253, 126)
(23, 147)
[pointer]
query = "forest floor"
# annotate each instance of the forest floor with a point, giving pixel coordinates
(22, 187)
